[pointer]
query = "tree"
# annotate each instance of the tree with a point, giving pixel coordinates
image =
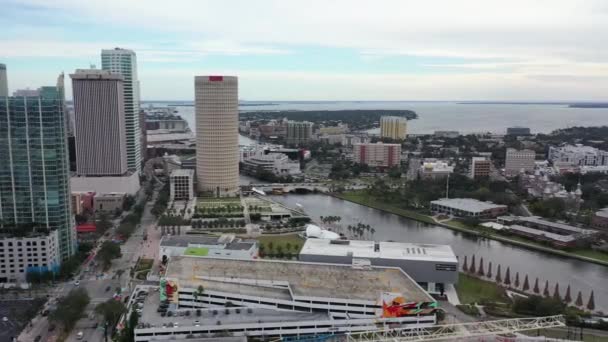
(128, 202)
(508, 277)
(498, 275)
(568, 297)
(103, 222)
(480, 271)
(108, 252)
(591, 302)
(546, 290)
(556, 294)
(536, 287)
(128, 333)
(111, 310)
(70, 308)
(472, 268)
(538, 306)
(516, 284)
(579, 299)
(526, 286)
(489, 270)
(465, 267)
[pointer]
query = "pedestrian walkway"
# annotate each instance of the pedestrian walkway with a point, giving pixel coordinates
(451, 294)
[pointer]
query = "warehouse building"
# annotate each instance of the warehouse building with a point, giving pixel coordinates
(467, 207)
(225, 246)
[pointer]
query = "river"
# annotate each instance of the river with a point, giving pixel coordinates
(579, 275)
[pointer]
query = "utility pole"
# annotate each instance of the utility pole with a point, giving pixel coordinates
(447, 187)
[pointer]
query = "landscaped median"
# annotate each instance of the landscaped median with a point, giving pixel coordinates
(360, 197)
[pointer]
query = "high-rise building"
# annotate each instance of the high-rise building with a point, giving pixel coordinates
(377, 155)
(217, 137)
(3, 81)
(124, 62)
(298, 132)
(99, 114)
(519, 160)
(480, 167)
(34, 174)
(394, 127)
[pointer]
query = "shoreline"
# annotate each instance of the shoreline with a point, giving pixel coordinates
(429, 220)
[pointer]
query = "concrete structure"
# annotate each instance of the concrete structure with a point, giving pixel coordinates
(109, 202)
(431, 266)
(34, 172)
(480, 167)
(435, 169)
(181, 187)
(600, 219)
(556, 233)
(82, 202)
(124, 62)
(377, 155)
(278, 164)
(99, 114)
(225, 246)
(3, 81)
(128, 184)
(518, 131)
(446, 134)
(217, 152)
(394, 127)
(519, 160)
(467, 207)
(577, 155)
(34, 252)
(298, 132)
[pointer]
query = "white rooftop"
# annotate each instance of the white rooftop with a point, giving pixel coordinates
(182, 173)
(467, 204)
(387, 250)
(602, 213)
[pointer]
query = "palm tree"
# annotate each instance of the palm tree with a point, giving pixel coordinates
(568, 297)
(516, 280)
(556, 292)
(546, 290)
(579, 299)
(526, 284)
(472, 268)
(480, 271)
(465, 266)
(591, 302)
(498, 275)
(536, 288)
(508, 276)
(489, 275)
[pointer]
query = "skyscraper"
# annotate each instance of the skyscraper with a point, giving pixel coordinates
(217, 143)
(99, 114)
(394, 127)
(124, 62)
(298, 132)
(34, 174)
(3, 81)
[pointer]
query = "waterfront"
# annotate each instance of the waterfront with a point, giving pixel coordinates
(579, 275)
(440, 115)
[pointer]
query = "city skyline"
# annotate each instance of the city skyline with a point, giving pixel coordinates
(408, 50)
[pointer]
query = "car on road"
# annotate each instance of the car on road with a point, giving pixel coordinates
(108, 288)
(77, 283)
(80, 335)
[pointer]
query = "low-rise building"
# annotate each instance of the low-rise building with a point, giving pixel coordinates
(480, 167)
(556, 233)
(82, 202)
(577, 155)
(377, 155)
(225, 246)
(433, 267)
(517, 161)
(181, 185)
(600, 219)
(435, 169)
(109, 202)
(128, 184)
(35, 252)
(446, 134)
(518, 131)
(334, 130)
(467, 207)
(278, 164)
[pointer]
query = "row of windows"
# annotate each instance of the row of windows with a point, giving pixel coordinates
(19, 243)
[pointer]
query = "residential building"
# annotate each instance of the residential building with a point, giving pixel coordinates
(99, 114)
(351, 139)
(298, 132)
(446, 134)
(334, 130)
(35, 252)
(34, 173)
(518, 131)
(282, 298)
(3, 81)
(467, 207)
(394, 127)
(124, 62)
(128, 184)
(556, 233)
(225, 246)
(431, 168)
(600, 219)
(433, 267)
(109, 202)
(217, 136)
(480, 167)
(577, 155)
(517, 161)
(278, 164)
(181, 185)
(377, 155)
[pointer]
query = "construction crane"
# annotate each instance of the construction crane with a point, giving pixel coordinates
(451, 332)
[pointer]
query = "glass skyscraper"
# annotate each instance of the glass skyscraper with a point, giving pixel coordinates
(34, 166)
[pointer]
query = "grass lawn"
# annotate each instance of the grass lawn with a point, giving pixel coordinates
(196, 251)
(293, 239)
(144, 264)
(473, 290)
(362, 198)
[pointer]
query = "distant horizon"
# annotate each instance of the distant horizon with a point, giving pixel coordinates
(450, 101)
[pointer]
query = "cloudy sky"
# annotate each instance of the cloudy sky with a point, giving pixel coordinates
(322, 49)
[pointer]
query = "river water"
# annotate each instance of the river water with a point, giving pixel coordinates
(579, 275)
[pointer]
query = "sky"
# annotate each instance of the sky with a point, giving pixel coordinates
(322, 49)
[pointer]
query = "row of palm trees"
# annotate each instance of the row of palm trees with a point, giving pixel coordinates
(359, 230)
(479, 270)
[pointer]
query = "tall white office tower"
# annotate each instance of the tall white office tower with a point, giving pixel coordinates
(217, 138)
(124, 62)
(3, 81)
(99, 115)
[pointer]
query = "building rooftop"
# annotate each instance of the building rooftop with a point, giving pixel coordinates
(602, 213)
(182, 173)
(289, 279)
(154, 137)
(467, 204)
(110, 194)
(538, 232)
(386, 250)
(556, 225)
(228, 241)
